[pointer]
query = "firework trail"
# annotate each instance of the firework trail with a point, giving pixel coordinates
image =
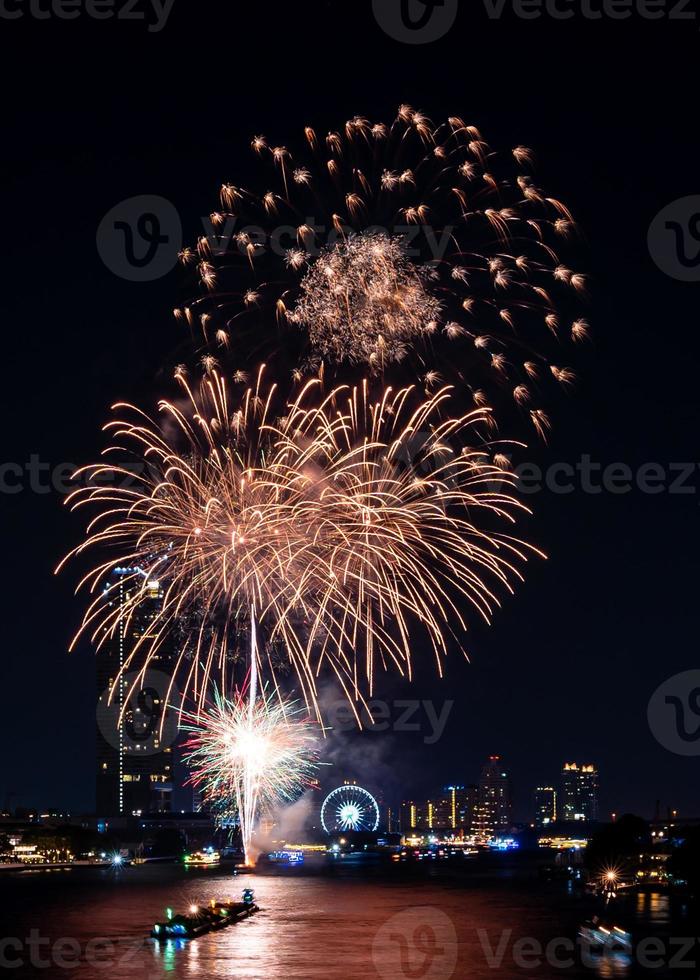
(255, 752)
(351, 523)
(411, 250)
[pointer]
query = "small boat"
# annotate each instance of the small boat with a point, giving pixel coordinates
(202, 859)
(205, 918)
(287, 858)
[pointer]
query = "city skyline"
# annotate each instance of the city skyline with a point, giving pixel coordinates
(486, 808)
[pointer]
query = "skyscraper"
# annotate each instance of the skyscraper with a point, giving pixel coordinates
(461, 801)
(493, 810)
(579, 792)
(134, 750)
(545, 805)
(412, 816)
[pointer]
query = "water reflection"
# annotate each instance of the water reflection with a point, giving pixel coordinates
(654, 907)
(612, 966)
(334, 927)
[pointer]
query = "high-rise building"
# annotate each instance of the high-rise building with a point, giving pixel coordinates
(492, 814)
(411, 816)
(424, 815)
(135, 746)
(470, 804)
(462, 801)
(579, 793)
(545, 806)
(442, 810)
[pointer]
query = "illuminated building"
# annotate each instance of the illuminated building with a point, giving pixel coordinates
(579, 793)
(443, 811)
(451, 810)
(416, 815)
(408, 815)
(134, 766)
(492, 813)
(545, 806)
(422, 814)
(425, 814)
(564, 843)
(462, 801)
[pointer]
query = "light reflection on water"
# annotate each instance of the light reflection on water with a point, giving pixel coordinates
(335, 928)
(654, 907)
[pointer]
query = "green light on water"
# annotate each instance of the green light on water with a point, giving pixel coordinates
(169, 956)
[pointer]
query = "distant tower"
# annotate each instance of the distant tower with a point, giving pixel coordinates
(134, 768)
(579, 793)
(493, 810)
(545, 805)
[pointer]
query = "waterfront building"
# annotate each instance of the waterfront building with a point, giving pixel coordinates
(134, 754)
(461, 804)
(579, 793)
(545, 806)
(493, 810)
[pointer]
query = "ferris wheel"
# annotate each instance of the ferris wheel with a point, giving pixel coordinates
(349, 807)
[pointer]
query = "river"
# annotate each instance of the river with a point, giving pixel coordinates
(347, 922)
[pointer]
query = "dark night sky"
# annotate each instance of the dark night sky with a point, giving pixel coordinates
(97, 112)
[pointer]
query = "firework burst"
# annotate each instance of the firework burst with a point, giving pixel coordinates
(408, 245)
(364, 302)
(351, 523)
(253, 754)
